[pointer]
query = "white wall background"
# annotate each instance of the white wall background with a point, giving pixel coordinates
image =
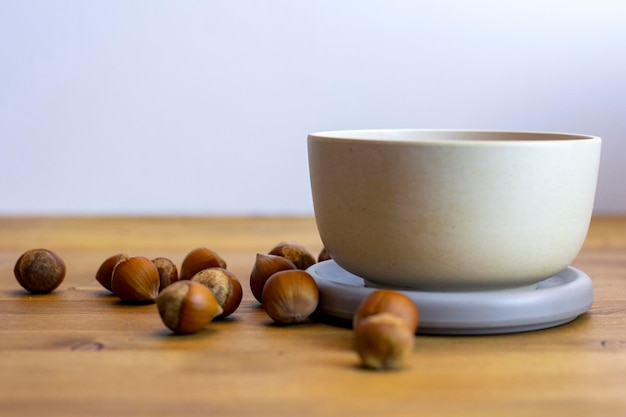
(203, 107)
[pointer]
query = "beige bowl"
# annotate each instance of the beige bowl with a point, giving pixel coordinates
(451, 210)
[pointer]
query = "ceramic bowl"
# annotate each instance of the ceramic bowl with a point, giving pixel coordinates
(453, 210)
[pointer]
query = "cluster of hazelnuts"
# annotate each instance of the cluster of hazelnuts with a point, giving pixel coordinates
(187, 301)
(205, 290)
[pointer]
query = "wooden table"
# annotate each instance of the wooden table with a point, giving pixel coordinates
(80, 352)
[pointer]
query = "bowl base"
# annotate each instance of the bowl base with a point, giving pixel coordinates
(554, 301)
(375, 285)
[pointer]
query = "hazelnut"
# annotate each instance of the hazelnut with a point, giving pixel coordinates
(295, 252)
(323, 255)
(264, 267)
(136, 280)
(388, 301)
(290, 296)
(187, 307)
(168, 273)
(39, 271)
(224, 285)
(383, 341)
(199, 259)
(105, 271)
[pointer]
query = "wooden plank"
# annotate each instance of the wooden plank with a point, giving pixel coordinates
(79, 351)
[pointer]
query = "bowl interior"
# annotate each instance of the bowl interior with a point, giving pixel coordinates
(461, 137)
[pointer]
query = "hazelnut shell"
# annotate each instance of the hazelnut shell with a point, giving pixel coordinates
(186, 307)
(264, 267)
(168, 273)
(383, 341)
(295, 252)
(199, 259)
(136, 280)
(224, 285)
(105, 271)
(290, 296)
(39, 271)
(388, 301)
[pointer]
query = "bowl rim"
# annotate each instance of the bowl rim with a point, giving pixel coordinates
(476, 137)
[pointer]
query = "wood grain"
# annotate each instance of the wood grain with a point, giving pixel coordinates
(80, 352)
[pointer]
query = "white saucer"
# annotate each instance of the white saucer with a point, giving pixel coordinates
(555, 301)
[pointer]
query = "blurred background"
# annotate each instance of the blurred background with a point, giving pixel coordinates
(148, 107)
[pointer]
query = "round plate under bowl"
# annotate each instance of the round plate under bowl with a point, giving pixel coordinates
(555, 301)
